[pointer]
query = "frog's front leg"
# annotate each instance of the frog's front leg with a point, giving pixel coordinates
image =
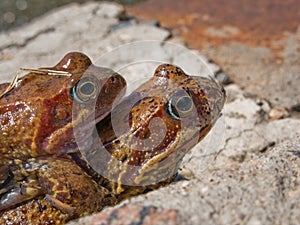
(23, 181)
(19, 194)
(16, 184)
(68, 188)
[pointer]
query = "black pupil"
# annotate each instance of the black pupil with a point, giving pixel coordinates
(184, 104)
(87, 88)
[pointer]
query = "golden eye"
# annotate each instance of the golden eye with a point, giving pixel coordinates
(180, 105)
(85, 89)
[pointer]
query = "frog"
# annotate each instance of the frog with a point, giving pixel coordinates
(137, 147)
(150, 131)
(37, 119)
(36, 115)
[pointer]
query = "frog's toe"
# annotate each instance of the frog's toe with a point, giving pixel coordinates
(18, 195)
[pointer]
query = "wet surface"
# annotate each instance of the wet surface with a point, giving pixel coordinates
(256, 42)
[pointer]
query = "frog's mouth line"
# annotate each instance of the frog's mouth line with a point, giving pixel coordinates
(165, 164)
(191, 142)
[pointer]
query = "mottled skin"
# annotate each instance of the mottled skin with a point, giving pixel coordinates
(36, 115)
(138, 147)
(152, 129)
(37, 119)
(65, 192)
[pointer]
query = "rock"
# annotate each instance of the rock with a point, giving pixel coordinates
(47, 39)
(243, 130)
(260, 55)
(129, 214)
(246, 171)
(261, 190)
(90, 28)
(267, 80)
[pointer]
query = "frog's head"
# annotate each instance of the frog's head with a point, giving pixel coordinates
(150, 131)
(37, 116)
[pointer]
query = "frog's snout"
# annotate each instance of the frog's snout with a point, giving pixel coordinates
(214, 93)
(219, 99)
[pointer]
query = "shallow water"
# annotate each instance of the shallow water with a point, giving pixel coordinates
(17, 12)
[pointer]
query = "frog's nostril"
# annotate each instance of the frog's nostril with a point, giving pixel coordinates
(113, 79)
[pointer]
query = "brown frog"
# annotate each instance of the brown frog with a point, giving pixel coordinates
(36, 115)
(138, 147)
(151, 130)
(37, 119)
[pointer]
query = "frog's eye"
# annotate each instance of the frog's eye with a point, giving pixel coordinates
(180, 105)
(85, 89)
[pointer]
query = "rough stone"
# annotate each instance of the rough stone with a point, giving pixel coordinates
(261, 190)
(257, 44)
(279, 83)
(246, 171)
(134, 49)
(129, 214)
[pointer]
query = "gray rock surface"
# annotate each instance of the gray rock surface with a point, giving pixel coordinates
(246, 171)
(262, 190)
(251, 68)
